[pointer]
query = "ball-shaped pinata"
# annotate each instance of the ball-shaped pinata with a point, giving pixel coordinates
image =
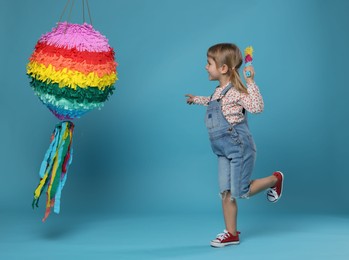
(72, 70)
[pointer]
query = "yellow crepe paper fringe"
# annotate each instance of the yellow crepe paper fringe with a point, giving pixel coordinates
(69, 78)
(249, 51)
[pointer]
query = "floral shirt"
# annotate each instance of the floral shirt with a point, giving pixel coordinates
(234, 102)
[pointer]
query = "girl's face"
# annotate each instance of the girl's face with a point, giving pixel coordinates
(214, 73)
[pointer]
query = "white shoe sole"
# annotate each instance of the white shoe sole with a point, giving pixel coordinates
(272, 191)
(217, 244)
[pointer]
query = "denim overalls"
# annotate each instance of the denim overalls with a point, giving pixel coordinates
(235, 148)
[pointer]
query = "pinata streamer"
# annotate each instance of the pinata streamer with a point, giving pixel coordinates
(54, 168)
(72, 71)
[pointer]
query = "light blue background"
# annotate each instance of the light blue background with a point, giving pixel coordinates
(142, 184)
(147, 151)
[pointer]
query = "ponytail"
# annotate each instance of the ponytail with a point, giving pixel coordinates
(237, 82)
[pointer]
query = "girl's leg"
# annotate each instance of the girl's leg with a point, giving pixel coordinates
(229, 206)
(259, 185)
(230, 211)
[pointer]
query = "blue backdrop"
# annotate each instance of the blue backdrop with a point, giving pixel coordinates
(147, 150)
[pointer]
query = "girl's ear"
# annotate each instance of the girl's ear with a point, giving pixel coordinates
(224, 69)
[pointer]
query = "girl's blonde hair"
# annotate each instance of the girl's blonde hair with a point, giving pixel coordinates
(230, 55)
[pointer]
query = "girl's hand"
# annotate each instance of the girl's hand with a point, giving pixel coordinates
(190, 99)
(250, 79)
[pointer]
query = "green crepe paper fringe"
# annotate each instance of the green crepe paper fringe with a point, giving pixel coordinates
(68, 104)
(80, 95)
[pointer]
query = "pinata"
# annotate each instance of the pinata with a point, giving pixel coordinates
(72, 71)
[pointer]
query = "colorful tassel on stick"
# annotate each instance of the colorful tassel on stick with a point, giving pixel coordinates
(54, 168)
(248, 59)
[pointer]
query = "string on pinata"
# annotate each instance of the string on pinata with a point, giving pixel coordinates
(72, 71)
(248, 59)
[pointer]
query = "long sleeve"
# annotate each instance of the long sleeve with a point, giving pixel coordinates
(253, 101)
(199, 100)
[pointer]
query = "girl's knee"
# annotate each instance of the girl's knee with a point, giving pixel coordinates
(226, 196)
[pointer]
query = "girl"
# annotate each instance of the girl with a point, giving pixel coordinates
(231, 141)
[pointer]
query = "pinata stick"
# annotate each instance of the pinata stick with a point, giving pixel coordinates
(248, 59)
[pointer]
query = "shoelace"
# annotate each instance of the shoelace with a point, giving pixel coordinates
(272, 191)
(222, 236)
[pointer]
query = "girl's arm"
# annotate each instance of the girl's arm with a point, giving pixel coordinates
(253, 101)
(198, 100)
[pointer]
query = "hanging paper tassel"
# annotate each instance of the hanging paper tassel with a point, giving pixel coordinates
(54, 168)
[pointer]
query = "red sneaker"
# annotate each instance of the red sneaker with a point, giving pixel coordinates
(274, 193)
(226, 238)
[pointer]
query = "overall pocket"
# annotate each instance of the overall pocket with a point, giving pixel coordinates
(211, 119)
(234, 136)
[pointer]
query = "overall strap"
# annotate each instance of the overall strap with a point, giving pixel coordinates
(227, 88)
(224, 91)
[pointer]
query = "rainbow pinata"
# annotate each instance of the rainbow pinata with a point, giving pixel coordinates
(72, 70)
